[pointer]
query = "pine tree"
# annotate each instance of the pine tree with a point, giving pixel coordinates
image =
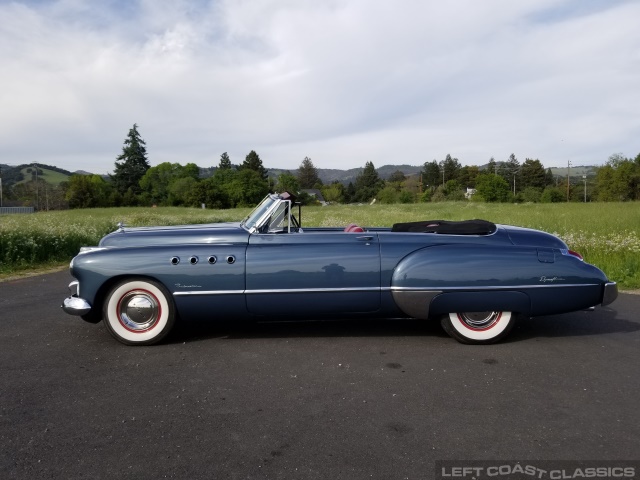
(510, 169)
(350, 193)
(532, 174)
(253, 162)
(548, 178)
(131, 164)
(307, 174)
(225, 162)
(451, 168)
(431, 175)
(368, 183)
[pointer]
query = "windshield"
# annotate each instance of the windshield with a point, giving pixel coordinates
(254, 217)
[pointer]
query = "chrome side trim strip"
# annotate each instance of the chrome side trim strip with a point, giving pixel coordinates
(315, 290)
(506, 287)
(371, 289)
(209, 292)
(281, 290)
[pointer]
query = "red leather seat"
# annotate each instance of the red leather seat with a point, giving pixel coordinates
(353, 228)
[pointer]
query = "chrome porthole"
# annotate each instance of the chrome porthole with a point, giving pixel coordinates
(231, 259)
(175, 260)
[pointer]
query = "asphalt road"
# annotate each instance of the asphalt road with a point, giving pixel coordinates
(313, 400)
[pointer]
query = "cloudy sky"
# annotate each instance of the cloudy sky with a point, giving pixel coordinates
(340, 81)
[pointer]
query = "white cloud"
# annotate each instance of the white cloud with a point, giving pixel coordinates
(342, 82)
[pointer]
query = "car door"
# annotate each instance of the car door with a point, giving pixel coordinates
(314, 273)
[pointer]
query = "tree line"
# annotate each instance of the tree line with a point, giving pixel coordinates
(135, 182)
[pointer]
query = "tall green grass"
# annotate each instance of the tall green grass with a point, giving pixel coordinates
(606, 234)
(48, 238)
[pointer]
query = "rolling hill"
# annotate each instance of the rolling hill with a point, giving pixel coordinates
(14, 175)
(53, 175)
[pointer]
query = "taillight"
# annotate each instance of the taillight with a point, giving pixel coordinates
(573, 254)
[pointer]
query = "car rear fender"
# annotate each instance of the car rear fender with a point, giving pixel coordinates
(456, 278)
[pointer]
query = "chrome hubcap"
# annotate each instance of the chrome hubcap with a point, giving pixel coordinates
(138, 310)
(479, 320)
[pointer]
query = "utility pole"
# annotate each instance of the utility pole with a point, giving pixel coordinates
(515, 172)
(584, 179)
(37, 192)
(0, 187)
(568, 171)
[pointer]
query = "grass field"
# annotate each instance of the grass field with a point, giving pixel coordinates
(606, 234)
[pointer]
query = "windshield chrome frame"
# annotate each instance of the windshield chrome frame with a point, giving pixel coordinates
(287, 208)
(261, 220)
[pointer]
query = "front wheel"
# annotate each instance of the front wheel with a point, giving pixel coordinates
(139, 312)
(478, 327)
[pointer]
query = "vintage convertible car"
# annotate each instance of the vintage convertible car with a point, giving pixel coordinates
(473, 275)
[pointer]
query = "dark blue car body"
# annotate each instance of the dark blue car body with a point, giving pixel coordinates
(269, 266)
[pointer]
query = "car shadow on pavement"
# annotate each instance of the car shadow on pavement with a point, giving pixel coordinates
(187, 331)
(602, 321)
(585, 323)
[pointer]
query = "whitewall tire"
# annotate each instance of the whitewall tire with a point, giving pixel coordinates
(139, 312)
(478, 327)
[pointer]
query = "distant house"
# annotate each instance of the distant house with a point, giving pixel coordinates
(469, 193)
(315, 193)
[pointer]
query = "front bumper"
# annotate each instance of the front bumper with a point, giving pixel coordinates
(610, 293)
(74, 305)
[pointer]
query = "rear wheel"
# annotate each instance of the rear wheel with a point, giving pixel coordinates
(139, 312)
(478, 327)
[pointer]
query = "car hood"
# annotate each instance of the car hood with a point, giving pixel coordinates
(212, 233)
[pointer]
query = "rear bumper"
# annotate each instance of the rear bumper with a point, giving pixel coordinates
(610, 293)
